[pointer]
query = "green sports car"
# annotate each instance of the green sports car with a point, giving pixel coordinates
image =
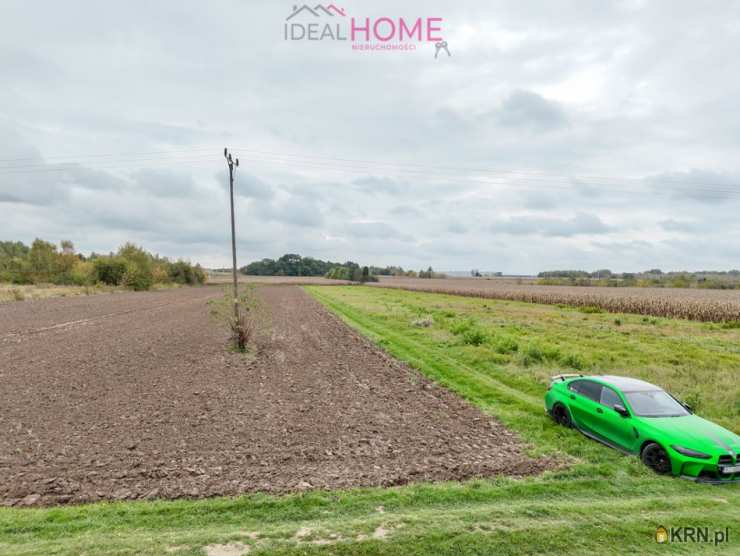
(640, 418)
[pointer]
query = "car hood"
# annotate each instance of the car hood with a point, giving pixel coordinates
(691, 431)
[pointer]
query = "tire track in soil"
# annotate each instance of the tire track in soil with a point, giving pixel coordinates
(145, 401)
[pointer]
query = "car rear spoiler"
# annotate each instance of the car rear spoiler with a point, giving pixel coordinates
(564, 376)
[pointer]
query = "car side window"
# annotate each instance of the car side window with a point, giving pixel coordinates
(575, 386)
(587, 388)
(609, 397)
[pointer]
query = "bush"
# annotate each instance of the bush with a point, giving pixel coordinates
(242, 328)
(181, 272)
(460, 327)
(505, 345)
(532, 355)
(199, 274)
(573, 362)
(131, 266)
(423, 322)
(160, 274)
(474, 337)
(83, 273)
(352, 272)
(110, 270)
(137, 278)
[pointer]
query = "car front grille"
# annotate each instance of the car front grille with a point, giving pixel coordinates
(725, 459)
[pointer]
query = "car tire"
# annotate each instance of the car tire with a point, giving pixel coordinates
(561, 415)
(656, 458)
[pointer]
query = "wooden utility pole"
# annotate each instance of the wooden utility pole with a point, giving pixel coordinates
(232, 164)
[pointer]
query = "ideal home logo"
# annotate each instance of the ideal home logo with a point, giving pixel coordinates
(331, 23)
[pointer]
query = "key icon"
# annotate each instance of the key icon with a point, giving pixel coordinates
(441, 45)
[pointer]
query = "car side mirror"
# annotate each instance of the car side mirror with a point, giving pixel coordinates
(619, 408)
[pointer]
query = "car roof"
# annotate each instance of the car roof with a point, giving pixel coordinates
(627, 384)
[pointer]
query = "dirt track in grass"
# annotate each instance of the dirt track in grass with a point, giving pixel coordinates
(134, 395)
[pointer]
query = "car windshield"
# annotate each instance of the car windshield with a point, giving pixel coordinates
(655, 403)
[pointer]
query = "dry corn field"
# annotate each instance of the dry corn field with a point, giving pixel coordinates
(693, 304)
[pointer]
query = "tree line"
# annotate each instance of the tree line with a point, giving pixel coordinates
(705, 279)
(131, 266)
(292, 264)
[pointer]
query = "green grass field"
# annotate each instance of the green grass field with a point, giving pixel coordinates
(497, 355)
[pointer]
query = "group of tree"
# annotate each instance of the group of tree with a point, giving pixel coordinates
(351, 271)
(655, 277)
(295, 265)
(289, 265)
(131, 266)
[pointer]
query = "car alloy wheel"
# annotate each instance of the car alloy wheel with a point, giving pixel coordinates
(656, 458)
(561, 415)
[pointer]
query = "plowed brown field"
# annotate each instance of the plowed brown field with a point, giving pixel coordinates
(134, 395)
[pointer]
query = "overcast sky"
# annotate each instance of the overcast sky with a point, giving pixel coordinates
(557, 134)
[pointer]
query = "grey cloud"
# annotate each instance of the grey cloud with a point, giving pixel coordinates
(249, 186)
(290, 210)
(528, 109)
(704, 186)
(24, 175)
(405, 210)
(456, 228)
(89, 178)
(678, 226)
(374, 184)
(375, 230)
(541, 200)
(580, 224)
(165, 183)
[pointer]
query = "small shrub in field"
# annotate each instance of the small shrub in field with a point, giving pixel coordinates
(730, 325)
(589, 309)
(474, 337)
(694, 400)
(505, 345)
(618, 322)
(534, 352)
(423, 322)
(551, 353)
(242, 329)
(137, 278)
(18, 295)
(83, 273)
(110, 270)
(461, 327)
(531, 355)
(572, 361)
(160, 274)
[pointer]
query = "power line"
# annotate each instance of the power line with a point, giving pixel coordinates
(103, 155)
(503, 177)
(509, 176)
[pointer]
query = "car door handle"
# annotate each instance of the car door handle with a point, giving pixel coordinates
(599, 410)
